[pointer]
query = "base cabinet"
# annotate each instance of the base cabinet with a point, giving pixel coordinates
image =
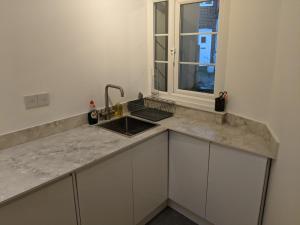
(235, 186)
(105, 192)
(126, 188)
(53, 204)
(220, 184)
(150, 176)
(188, 172)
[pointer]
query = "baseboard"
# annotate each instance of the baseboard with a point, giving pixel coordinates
(153, 213)
(196, 219)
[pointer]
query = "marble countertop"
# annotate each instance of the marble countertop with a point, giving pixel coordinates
(238, 137)
(28, 166)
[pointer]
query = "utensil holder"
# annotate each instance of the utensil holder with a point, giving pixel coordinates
(220, 104)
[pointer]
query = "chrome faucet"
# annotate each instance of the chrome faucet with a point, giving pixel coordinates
(107, 111)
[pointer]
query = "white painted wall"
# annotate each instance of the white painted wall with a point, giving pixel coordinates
(283, 203)
(71, 49)
(250, 56)
(263, 81)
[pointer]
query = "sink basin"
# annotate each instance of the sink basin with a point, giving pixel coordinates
(128, 126)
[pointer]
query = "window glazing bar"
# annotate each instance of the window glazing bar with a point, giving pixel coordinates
(196, 63)
(197, 33)
(157, 61)
(161, 35)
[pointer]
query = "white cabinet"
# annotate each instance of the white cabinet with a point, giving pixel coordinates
(188, 172)
(150, 176)
(105, 192)
(126, 188)
(223, 185)
(235, 186)
(53, 204)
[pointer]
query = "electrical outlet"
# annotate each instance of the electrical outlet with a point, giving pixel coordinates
(43, 99)
(30, 101)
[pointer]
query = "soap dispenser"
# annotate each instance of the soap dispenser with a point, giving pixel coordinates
(93, 114)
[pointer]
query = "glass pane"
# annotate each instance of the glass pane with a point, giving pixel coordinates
(160, 76)
(161, 18)
(189, 48)
(161, 48)
(200, 17)
(198, 48)
(197, 78)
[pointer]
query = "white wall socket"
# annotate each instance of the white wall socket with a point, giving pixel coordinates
(38, 100)
(30, 101)
(43, 99)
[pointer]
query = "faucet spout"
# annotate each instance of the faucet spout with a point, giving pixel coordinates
(122, 92)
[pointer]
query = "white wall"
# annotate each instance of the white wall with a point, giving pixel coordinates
(263, 81)
(250, 56)
(283, 203)
(71, 49)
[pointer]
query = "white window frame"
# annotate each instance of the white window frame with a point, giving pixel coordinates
(207, 5)
(192, 99)
(153, 35)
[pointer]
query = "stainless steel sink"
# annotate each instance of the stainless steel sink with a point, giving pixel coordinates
(128, 126)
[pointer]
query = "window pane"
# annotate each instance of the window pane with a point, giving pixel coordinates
(197, 78)
(161, 48)
(161, 18)
(160, 76)
(200, 17)
(198, 48)
(189, 49)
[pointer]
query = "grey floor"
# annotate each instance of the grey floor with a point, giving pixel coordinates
(170, 217)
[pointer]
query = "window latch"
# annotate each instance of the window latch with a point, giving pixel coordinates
(173, 53)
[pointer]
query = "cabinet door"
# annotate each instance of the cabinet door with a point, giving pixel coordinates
(53, 204)
(105, 192)
(150, 176)
(235, 186)
(188, 172)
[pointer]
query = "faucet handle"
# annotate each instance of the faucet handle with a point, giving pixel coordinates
(103, 114)
(100, 115)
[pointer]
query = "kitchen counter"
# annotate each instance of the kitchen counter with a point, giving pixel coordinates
(240, 138)
(28, 166)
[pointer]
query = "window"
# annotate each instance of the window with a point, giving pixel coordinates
(197, 46)
(185, 45)
(161, 45)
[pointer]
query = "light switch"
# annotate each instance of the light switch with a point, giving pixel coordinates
(43, 99)
(30, 101)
